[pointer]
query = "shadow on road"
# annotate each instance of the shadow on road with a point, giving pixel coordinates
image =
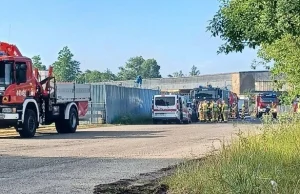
(94, 135)
(72, 174)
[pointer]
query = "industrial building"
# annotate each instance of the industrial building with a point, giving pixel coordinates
(238, 82)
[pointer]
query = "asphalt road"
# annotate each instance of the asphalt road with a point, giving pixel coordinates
(75, 163)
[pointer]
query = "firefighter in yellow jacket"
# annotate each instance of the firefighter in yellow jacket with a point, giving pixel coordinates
(274, 110)
(225, 111)
(210, 111)
(215, 114)
(243, 112)
(234, 110)
(220, 117)
(200, 111)
(205, 110)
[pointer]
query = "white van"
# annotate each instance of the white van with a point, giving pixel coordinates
(170, 108)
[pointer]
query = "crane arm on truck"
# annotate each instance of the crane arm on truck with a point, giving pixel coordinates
(10, 49)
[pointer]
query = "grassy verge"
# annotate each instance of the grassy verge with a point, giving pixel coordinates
(133, 120)
(265, 163)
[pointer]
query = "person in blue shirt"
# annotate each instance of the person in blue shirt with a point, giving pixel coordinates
(139, 81)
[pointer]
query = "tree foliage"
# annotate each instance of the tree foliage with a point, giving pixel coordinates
(250, 23)
(96, 76)
(37, 63)
(177, 74)
(286, 54)
(271, 25)
(139, 66)
(66, 69)
(194, 71)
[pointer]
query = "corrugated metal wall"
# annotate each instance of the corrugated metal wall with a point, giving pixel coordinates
(264, 86)
(121, 101)
(267, 86)
(98, 93)
(252, 81)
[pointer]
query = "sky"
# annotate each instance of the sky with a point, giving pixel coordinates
(106, 33)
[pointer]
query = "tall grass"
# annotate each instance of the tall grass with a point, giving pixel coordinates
(264, 163)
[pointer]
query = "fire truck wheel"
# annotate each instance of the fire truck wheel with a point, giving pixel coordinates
(68, 125)
(29, 125)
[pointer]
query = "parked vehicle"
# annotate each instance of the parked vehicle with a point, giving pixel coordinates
(26, 102)
(170, 108)
(263, 103)
(210, 93)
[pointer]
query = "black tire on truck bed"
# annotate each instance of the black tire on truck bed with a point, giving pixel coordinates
(67, 125)
(29, 125)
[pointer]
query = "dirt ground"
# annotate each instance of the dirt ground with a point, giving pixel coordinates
(122, 155)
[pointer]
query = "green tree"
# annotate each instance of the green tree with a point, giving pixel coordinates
(286, 69)
(37, 63)
(96, 76)
(66, 69)
(273, 26)
(251, 23)
(81, 78)
(139, 66)
(194, 71)
(178, 74)
(107, 75)
(150, 69)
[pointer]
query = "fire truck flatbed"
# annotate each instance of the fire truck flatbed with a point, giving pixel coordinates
(68, 92)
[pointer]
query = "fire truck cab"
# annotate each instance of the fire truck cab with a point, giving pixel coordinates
(209, 93)
(263, 103)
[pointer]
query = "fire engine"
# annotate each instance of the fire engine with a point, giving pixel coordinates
(26, 101)
(263, 102)
(211, 93)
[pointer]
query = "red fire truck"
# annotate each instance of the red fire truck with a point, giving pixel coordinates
(26, 102)
(263, 103)
(211, 93)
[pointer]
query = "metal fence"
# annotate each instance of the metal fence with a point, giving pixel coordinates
(96, 114)
(285, 109)
(122, 101)
(110, 102)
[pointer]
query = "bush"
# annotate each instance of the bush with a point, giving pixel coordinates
(133, 119)
(264, 163)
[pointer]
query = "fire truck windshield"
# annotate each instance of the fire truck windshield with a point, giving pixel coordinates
(205, 95)
(266, 99)
(5, 73)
